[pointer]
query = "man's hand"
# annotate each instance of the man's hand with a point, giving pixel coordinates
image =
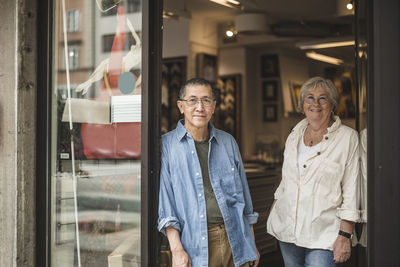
(255, 263)
(180, 258)
(341, 249)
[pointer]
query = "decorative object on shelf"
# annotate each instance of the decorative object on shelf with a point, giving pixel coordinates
(227, 114)
(270, 112)
(115, 140)
(269, 90)
(173, 77)
(269, 66)
(206, 67)
(295, 95)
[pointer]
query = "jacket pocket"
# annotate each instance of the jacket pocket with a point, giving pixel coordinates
(279, 219)
(328, 180)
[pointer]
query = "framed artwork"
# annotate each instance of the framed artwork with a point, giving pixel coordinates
(206, 67)
(269, 66)
(269, 90)
(270, 112)
(347, 91)
(173, 77)
(344, 82)
(295, 95)
(227, 112)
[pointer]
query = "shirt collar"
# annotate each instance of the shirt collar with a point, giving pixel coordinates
(181, 131)
(300, 127)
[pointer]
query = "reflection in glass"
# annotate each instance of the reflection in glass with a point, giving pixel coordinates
(361, 66)
(95, 161)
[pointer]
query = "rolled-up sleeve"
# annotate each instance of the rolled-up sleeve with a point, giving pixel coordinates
(167, 216)
(350, 191)
(250, 215)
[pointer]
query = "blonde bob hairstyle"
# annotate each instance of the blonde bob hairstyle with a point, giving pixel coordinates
(320, 82)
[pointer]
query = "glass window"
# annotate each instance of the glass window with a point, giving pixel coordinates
(95, 207)
(73, 20)
(73, 57)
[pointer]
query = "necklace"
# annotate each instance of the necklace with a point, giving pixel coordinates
(312, 140)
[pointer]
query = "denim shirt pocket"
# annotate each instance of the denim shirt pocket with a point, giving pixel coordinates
(231, 184)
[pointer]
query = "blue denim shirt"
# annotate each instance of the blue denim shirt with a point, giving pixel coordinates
(182, 204)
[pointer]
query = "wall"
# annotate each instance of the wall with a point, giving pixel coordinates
(175, 38)
(188, 37)
(293, 68)
(17, 132)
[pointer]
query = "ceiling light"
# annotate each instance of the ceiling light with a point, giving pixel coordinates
(229, 33)
(233, 2)
(349, 5)
(326, 43)
(170, 15)
(228, 3)
(324, 58)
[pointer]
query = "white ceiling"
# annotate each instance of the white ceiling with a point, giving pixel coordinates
(295, 18)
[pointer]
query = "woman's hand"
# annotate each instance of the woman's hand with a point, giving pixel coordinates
(273, 204)
(180, 258)
(341, 249)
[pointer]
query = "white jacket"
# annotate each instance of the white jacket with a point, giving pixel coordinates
(310, 207)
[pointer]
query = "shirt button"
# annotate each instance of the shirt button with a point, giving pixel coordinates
(326, 138)
(319, 153)
(304, 166)
(192, 152)
(202, 216)
(203, 238)
(199, 195)
(197, 174)
(233, 169)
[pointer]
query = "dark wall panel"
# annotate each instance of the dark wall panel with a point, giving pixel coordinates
(384, 134)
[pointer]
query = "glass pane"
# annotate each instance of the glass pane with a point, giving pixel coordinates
(95, 133)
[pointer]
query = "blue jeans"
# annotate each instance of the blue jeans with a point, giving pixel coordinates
(295, 256)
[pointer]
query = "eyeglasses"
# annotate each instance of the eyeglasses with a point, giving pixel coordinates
(322, 100)
(191, 102)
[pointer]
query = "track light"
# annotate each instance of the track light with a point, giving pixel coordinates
(323, 58)
(326, 43)
(228, 3)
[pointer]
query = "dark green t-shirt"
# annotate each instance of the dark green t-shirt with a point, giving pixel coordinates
(214, 215)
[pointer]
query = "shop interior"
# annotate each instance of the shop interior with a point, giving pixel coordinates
(258, 54)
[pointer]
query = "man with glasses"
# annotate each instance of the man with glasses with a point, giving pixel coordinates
(205, 208)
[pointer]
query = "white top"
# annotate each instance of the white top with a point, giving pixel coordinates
(310, 206)
(305, 152)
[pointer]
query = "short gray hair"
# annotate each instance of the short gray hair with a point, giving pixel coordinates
(316, 82)
(195, 81)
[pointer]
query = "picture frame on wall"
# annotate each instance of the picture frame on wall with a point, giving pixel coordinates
(227, 112)
(269, 66)
(270, 113)
(173, 77)
(295, 95)
(206, 67)
(269, 90)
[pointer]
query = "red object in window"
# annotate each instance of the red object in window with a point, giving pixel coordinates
(116, 140)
